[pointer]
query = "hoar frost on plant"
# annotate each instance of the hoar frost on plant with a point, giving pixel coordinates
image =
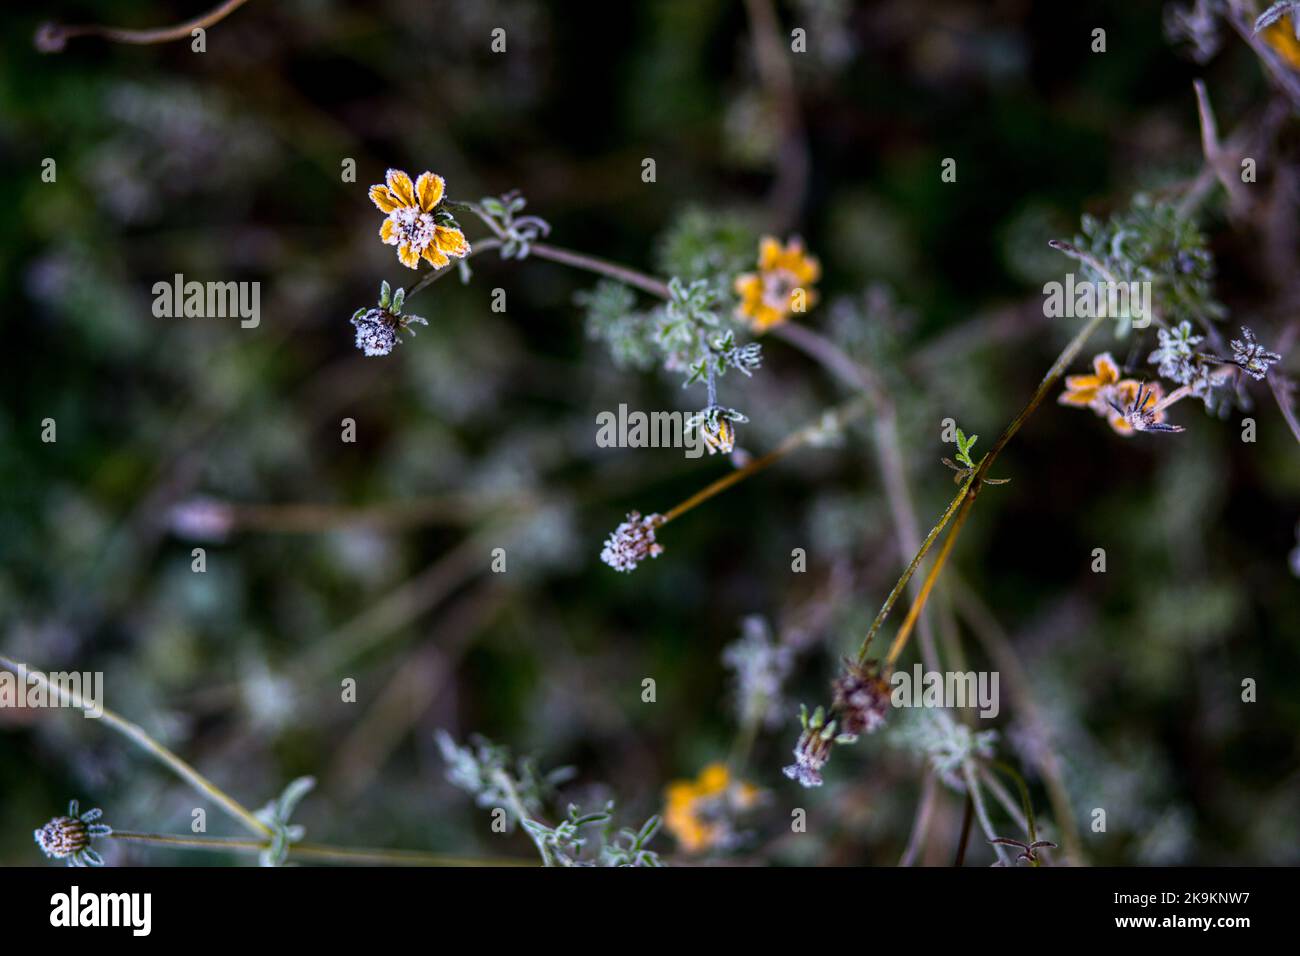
(761, 666)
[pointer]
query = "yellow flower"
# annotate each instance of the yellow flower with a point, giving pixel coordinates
(1104, 392)
(697, 811)
(781, 285)
(1092, 391)
(413, 223)
(1281, 37)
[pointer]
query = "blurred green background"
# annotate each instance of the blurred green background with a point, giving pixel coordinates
(226, 165)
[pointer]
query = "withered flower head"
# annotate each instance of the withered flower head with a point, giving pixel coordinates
(1252, 357)
(68, 838)
(378, 328)
(632, 542)
(861, 698)
(814, 748)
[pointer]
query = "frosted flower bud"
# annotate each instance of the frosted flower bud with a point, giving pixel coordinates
(632, 542)
(861, 699)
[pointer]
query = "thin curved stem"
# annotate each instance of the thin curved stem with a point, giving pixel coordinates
(921, 822)
(613, 270)
(981, 811)
(998, 646)
(841, 415)
(53, 37)
(901, 583)
(905, 629)
(141, 738)
(971, 488)
(885, 437)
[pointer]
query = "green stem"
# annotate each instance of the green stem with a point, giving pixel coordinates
(507, 785)
(911, 569)
(981, 811)
(970, 490)
(137, 734)
(314, 851)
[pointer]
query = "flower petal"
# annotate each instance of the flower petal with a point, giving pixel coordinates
(1078, 397)
(408, 256)
(748, 285)
(382, 198)
(1107, 370)
(435, 256)
(451, 241)
(400, 185)
(765, 316)
(769, 253)
(388, 233)
(713, 779)
(429, 187)
(1077, 383)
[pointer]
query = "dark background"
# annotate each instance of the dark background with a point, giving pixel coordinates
(225, 165)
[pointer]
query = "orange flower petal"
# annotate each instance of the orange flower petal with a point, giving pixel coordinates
(382, 198)
(769, 253)
(1077, 382)
(388, 232)
(748, 284)
(1081, 398)
(1281, 37)
(713, 779)
(435, 257)
(765, 316)
(451, 241)
(1107, 370)
(399, 184)
(429, 187)
(408, 256)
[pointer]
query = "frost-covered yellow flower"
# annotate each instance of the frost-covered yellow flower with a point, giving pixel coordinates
(698, 812)
(1092, 391)
(782, 284)
(415, 224)
(1110, 396)
(1281, 37)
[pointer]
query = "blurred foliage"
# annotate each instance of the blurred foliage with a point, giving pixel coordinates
(226, 166)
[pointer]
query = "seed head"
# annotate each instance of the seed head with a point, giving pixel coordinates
(62, 837)
(1252, 357)
(632, 542)
(814, 748)
(861, 698)
(68, 838)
